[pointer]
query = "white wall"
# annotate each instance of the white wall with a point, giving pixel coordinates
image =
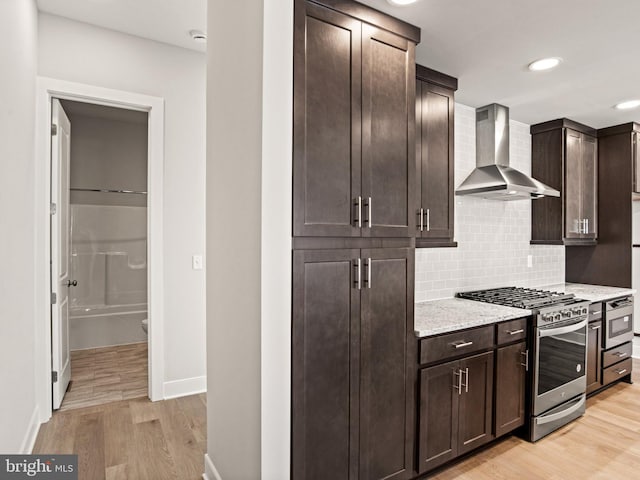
(18, 56)
(79, 52)
(234, 174)
(493, 236)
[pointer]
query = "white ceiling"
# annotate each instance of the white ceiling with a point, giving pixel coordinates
(486, 44)
(167, 21)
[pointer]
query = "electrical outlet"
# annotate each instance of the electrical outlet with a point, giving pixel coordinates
(196, 262)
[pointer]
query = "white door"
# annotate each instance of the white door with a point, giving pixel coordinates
(60, 251)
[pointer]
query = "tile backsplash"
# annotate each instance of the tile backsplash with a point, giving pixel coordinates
(493, 236)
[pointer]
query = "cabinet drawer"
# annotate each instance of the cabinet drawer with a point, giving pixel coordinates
(616, 372)
(512, 331)
(454, 344)
(595, 311)
(616, 354)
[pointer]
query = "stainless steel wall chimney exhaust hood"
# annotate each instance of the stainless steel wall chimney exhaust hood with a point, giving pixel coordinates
(493, 178)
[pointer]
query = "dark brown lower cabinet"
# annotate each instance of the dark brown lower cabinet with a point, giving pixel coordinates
(353, 364)
(594, 361)
(456, 402)
(510, 388)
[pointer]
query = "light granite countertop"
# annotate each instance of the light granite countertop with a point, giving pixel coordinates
(451, 314)
(593, 293)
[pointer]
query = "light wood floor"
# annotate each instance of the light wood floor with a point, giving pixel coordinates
(604, 444)
(140, 440)
(105, 375)
(132, 439)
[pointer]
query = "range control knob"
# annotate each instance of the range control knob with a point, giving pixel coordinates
(585, 310)
(557, 317)
(566, 314)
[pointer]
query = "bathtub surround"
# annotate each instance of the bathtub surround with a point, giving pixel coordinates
(109, 148)
(493, 236)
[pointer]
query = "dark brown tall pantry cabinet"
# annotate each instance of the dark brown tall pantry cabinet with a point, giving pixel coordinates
(353, 345)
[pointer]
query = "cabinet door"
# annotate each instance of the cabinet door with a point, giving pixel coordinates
(589, 187)
(594, 347)
(435, 162)
(388, 133)
(325, 334)
(326, 125)
(476, 402)
(387, 360)
(510, 388)
(573, 184)
(438, 422)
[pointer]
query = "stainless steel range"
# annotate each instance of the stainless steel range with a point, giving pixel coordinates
(559, 352)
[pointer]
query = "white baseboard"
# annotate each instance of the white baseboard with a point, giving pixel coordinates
(184, 387)
(32, 433)
(210, 472)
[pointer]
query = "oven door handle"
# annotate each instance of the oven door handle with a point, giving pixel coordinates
(548, 332)
(556, 416)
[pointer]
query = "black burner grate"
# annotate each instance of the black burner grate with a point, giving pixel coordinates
(517, 297)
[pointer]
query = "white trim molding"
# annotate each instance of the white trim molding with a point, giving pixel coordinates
(32, 433)
(210, 472)
(46, 89)
(184, 387)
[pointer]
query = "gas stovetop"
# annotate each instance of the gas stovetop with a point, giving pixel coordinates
(547, 306)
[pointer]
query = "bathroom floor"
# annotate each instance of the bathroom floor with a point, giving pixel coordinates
(105, 375)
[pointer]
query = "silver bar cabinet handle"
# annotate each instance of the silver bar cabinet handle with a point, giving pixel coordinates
(466, 380)
(369, 265)
(421, 215)
(458, 387)
(586, 225)
(462, 343)
(369, 212)
(359, 211)
(621, 354)
(595, 327)
(621, 372)
(428, 220)
(358, 265)
(526, 360)
(515, 332)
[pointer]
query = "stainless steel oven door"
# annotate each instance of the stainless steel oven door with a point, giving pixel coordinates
(561, 355)
(619, 322)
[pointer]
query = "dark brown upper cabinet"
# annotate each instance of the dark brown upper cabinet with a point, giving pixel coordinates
(434, 158)
(609, 262)
(564, 155)
(353, 373)
(354, 122)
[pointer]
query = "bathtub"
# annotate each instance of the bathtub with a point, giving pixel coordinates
(106, 325)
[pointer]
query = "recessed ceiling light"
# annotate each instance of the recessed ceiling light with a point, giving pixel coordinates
(628, 104)
(198, 36)
(544, 64)
(401, 2)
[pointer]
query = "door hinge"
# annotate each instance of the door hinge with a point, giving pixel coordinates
(54, 377)
(54, 129)
(53, 209)
(54, 298)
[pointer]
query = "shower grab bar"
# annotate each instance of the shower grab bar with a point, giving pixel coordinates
(106, 190)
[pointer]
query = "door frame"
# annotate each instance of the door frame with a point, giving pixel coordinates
(46, 89)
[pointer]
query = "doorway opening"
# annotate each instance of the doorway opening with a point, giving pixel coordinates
(99, 254)
(122, 302)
